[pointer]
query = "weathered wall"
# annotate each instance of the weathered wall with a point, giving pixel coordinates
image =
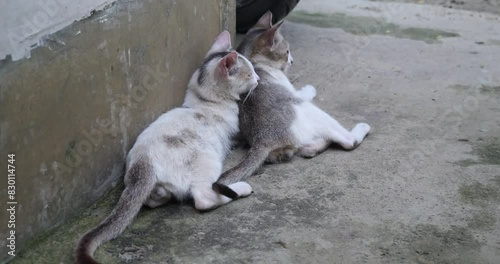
(27, 21)
(72, 111)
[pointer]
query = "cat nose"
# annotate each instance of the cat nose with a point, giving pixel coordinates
(257, 77)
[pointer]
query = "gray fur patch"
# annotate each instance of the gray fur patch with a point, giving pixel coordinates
(266, 116)
(174, 141)
(233, 71)
(268, 113)
(188, 134)
(253, 45)
(138, 171)
(297, 101)
(189, 161)
(203, 69)
(199, 116)
(218, 118)
(247, 45)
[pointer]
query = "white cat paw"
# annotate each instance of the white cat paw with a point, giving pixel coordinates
(349, 144)
(359, 132)
(307, 92)
(362, 127)
(243, 189)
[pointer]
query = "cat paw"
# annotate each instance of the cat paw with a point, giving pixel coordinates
(362, 127)
(349, 145)
(307, 92)
(243, 189)
(358, 133)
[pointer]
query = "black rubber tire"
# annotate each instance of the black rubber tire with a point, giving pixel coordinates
(248, 12)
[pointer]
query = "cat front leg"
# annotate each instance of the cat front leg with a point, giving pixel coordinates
(307, 93)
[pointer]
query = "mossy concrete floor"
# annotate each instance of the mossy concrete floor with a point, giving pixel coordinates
(422, 188)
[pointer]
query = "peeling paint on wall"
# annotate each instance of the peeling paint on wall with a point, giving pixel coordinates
(26, 24)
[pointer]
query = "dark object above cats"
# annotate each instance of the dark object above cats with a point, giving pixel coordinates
(248, 12)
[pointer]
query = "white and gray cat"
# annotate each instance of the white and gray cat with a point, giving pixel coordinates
(277, 120)
(181, 154)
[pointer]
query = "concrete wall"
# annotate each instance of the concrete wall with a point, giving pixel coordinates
(73, 109)
(28, 21)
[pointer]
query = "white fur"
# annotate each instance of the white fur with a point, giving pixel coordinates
(312, 123)
(181, 153)
(168, 161)
(307, 93)
(290, 58)
(192, 169)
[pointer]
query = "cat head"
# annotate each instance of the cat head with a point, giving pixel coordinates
(264, 44)
(224, 74)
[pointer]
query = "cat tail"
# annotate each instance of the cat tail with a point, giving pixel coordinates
(141, 181)
(250, 163)
(225, 190)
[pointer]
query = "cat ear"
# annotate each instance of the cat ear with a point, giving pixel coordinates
(266, 21)
(222, 43)
(269, 36)
(227, 63)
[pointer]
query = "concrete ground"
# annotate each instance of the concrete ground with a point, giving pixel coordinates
(424, 187)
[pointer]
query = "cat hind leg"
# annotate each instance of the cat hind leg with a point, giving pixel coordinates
(346, 141)
(359, 132)
(313, 149)
(349, 139)
(205, 198)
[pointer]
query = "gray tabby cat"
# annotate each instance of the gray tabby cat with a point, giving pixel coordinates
(277, 120)
(180, 155)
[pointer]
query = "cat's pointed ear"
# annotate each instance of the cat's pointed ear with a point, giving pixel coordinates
(265, 21)
(269, 37)
(222, 43)
(228, 62)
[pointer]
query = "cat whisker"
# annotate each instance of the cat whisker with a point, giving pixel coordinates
(248, 94)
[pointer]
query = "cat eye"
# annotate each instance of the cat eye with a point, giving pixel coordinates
(288, 52)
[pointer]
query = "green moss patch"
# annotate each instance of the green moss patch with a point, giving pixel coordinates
(360, 25)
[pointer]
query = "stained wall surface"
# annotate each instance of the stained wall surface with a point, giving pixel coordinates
(73, 109)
